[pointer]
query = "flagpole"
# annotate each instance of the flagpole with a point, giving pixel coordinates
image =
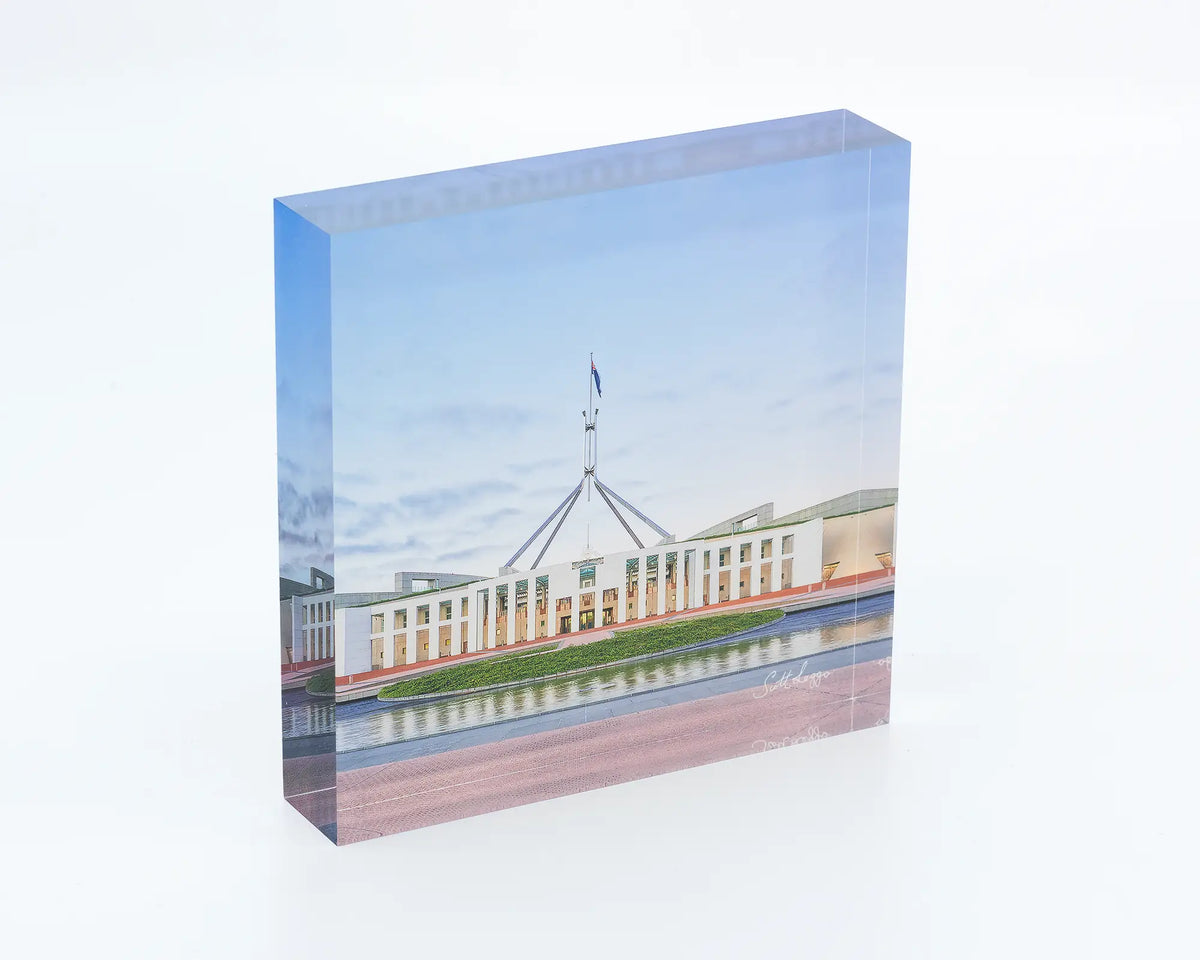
(588, 415)
(595, 432)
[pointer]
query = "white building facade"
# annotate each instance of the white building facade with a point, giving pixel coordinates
(306, 624)
(617, 588)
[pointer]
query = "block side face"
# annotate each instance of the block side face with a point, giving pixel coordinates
(868, 538)
(862, 134)
(369, 206)
(305, 514)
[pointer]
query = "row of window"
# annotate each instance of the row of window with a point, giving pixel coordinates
(587, 578)
(317, 612)
(317, 643)
(400, 617)
(746, 550)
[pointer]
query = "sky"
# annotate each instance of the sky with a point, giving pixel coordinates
(303, 391)
(747, 330)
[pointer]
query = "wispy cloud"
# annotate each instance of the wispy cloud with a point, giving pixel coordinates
(299, 511)
(421, 506)
(392, 547)
(352, 478)
(657, 396)
(497, 515)
(305, 529)
(288, 466)
(531, 466)
(454, 556)
(462, 419)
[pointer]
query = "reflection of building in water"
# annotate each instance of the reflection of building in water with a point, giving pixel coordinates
(752, 554)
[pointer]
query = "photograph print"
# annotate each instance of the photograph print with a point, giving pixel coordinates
(588, 467)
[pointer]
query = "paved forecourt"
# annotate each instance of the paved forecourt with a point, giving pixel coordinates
(403, 795)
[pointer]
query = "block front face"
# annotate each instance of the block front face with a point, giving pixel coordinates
(521, 615)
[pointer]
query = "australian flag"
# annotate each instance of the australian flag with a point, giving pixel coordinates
(596, 377)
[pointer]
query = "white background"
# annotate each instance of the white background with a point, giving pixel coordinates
(1035, 794)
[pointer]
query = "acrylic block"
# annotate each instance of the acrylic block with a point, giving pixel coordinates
(474, 613)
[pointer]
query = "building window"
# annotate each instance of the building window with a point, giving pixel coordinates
(723, 556)
(707, 559)
(422, 615)
(587, 577)
(464, 607)
(789, 542)
(376, 623)
(765, 552)
(744, 553)
(400, 620)
(329, 610)
(304, 613)
(445, 610)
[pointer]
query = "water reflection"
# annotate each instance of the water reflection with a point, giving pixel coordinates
(796, 636)
(308, 718)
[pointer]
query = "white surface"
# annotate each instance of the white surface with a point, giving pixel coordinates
(1035, 794)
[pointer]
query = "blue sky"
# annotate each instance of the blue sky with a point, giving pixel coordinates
(303, 390)
(726, 313)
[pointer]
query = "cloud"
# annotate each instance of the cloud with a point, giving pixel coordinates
(460, 419)
(657, 396)
(359, 478)
(288, 466)
(454, 556)
(840, 413)
(305, 529)
(532, 465)
(421, 506)
(299, 510)
(294, 538)
(497, 515)
(408, 545)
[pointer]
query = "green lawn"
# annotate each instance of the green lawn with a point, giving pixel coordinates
(626, 644)
(320, 682)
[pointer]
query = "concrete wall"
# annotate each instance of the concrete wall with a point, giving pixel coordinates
(852, 541)
(292, 628)
(762, 515)
(287, 632)
(857, 502)
(404, 579)
(352, 628)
